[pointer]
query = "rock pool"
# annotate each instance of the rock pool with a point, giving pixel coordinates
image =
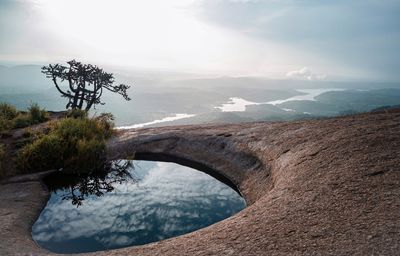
(147, 202)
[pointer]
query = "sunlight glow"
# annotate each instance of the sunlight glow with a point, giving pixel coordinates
(275, 39)
(158, 34)
(132, 31)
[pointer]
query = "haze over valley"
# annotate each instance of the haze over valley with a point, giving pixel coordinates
(180, 99)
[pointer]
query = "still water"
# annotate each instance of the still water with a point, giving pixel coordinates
(150, 201)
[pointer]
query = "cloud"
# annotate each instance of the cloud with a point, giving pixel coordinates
(359, 39)
(364, 41)
(305, 74)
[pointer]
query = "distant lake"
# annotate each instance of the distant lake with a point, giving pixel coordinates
(308, 94)
(163, 120)
(157, 200)
(236, 104)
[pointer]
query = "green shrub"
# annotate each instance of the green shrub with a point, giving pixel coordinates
(8, 111)
(43, 154)
(87, 128)
(22, 121)
(27, 133)
(75, 144)
(90, 155)
(106, 121)
(77, 113)
(37, 114)
(5, 125)
(10, 118)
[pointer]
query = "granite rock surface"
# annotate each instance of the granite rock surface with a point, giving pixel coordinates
(320, 187)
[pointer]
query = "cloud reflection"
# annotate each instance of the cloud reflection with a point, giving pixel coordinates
(169, 200)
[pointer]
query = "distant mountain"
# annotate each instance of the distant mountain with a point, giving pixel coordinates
(154, 98)
(277, 84)
(28, 78)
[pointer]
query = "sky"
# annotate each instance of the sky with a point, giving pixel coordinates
(291, 39)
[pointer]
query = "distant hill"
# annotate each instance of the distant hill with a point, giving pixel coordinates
(278, 84)
(155, 96)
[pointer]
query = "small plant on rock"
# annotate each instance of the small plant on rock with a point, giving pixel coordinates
(75, 144)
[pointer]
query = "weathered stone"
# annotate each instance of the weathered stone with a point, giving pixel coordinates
(324, 187)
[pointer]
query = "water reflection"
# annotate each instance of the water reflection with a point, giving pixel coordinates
(153, 201)
(76, 188)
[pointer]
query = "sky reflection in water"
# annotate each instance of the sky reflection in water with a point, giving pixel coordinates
(167, 201)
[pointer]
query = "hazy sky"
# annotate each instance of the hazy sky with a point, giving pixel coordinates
(279, 38)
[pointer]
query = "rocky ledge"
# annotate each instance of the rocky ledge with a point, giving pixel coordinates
(312, 187)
